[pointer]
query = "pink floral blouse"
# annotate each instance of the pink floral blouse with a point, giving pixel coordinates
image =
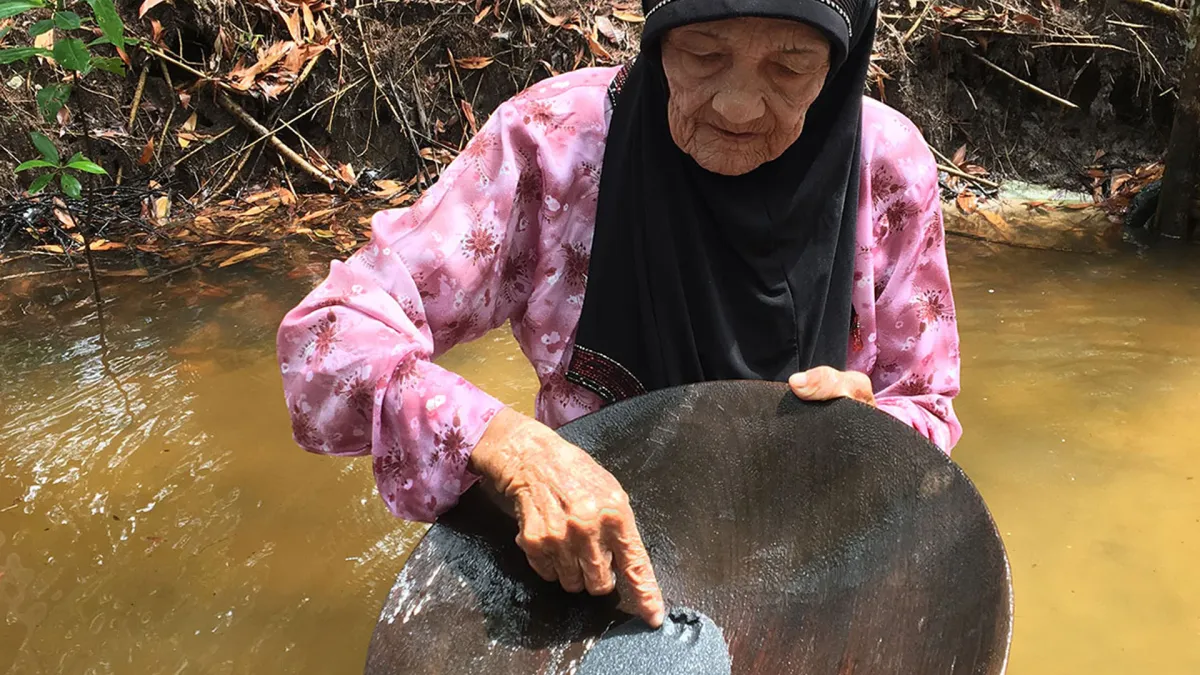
(505, 236)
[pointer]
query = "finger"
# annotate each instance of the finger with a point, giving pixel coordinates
(633, 566)
(532, 537)
(558, 547)
(596, 564)
(817, 384)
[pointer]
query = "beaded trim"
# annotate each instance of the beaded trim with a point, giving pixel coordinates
(841, 12)
(603, 376)
(618, 83)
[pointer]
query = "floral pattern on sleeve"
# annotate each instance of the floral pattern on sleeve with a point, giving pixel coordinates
(905, 336)
(357, 354)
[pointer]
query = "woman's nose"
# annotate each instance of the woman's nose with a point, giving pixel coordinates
(739, 104)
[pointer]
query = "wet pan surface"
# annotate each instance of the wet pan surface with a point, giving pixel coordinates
(821, 538)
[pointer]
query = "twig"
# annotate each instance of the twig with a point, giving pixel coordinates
(1151, 51)
(137, 96)
(917, 24)
(246, 152)
(306, 111)
(940, 156)
(22, 275)
(963, 174)
(1090, 45)
(1031, 87)
(1158, 7)
(200, 74)
(283, 149)
(162, 139)
(203, 145)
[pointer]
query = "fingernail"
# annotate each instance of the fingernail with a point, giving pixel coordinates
(798, 380)
(657, 619)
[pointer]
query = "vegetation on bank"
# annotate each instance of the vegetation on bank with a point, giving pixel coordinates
(209, 127)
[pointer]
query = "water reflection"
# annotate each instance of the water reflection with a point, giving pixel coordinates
(156, 517)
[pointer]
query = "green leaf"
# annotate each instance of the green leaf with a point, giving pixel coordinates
(74, 157)
(72, 54)
(46, 147)
(14, 54)
(86, 165)
(110, 64)
(43, 26)
(51, 98)
(14, 7)
(110, 23)
(40, 183)
(34, 164)
(70, 185)
(67, 20)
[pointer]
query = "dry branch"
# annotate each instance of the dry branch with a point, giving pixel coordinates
(1031, 87)
(283, 149)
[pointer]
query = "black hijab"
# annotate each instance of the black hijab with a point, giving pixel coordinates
(696, 276)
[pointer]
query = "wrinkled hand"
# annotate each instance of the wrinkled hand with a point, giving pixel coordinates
(824, 383)
(576, 525)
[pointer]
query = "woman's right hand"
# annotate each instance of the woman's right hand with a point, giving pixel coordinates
(576, 525)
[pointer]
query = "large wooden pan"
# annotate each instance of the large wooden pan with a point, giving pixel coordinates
(822, 538)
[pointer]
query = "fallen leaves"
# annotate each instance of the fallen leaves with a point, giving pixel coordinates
(474, 62)
(244, 256)
(148, 5)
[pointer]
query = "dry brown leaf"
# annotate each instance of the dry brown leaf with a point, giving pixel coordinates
(264, 194)
(315, 215)
(469, 114)
(286, 196)
(346, 173)
(293, 26)
(147, 153)
(609, 31)
(389, 188)
(63, 116)
(555, 21)
(185, 135)
(231, 242)
(139, 272)
(1076, 206)
(474, 62)
(309, 24)
(45, 41)
(960, 156)
(242, 77)
(479, 17)
(244, 256)
(50, 248)
(628, 17)
(185, 99)
(967, 203)
(105, 245)
(598, 49)
(995, 219)
(156, 32)
(148, 5)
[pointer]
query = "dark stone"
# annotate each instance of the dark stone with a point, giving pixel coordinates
(820, 537)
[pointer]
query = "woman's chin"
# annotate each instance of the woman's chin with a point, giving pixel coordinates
(727, 159)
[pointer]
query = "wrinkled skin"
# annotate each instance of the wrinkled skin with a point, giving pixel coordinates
(740, 89)
(575, 523)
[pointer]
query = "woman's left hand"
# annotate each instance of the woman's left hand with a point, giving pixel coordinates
(824, 384)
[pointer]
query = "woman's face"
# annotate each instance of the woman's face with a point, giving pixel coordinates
(740, 88)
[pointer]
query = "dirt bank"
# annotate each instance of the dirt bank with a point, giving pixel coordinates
(362, 91)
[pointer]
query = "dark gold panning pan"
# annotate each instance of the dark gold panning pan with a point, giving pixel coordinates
(824, 539)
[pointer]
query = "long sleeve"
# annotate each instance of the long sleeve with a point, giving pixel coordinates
(916, 371)
(356, 354)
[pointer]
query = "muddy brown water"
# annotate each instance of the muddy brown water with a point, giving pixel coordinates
(155, 516)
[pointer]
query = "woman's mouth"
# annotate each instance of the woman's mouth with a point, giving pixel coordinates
(733, 135)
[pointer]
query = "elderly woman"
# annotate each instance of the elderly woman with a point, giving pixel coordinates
(728, 206)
